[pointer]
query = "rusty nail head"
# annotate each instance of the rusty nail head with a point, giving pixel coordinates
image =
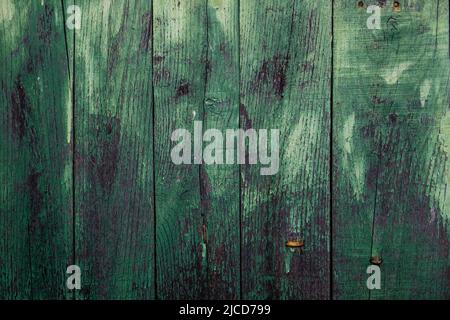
(295, 244)
(396, 6)
(376, 261)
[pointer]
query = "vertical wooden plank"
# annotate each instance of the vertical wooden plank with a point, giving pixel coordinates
(285, 78)
(196, 79)
(113, 141)
(35, 152)
(179, 91)
(354, 164)
(220, 182)
(391, 142)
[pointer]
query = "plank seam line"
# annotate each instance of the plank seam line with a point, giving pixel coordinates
(74, 216)
(331, 278)
(201, 165)
(155, 274)
(72, 134)
(375, 202)
(239, 126)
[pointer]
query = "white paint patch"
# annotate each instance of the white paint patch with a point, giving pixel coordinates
(307, 128)
(287, 262)
(352, 162)
(68, 176)
(204, 250)
(444, 139)
(359, 182)
(106, 5)
(425, 92)
(69, 118)
(178, 23)
(348, 133)
(7, 10)
(297, 135)
(111, 25)
(444, 135)
(221, 13)
(392, 76)
(40, 84)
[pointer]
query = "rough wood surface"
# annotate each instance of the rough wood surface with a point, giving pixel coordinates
(113, 150)
(35, 151)
(390, 140)
(196, 78)
(86, 175)
(285, 84)
(219, 183)
(179, 57)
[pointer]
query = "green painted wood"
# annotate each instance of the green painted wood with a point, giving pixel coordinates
(390, 146)
(179, 56)
(220, 183)
(196, 78)
(221, 230)
(114, 156)
(285, 84)
(35, 152)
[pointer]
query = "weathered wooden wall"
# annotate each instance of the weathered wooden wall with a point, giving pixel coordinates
(86, 176)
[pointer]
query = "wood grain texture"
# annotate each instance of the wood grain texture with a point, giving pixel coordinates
(86, 175)
(285, 84)
(196, 78)
(114, 156)
(179, 44)
(220, 183)
(390, 146)
(35, 151)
